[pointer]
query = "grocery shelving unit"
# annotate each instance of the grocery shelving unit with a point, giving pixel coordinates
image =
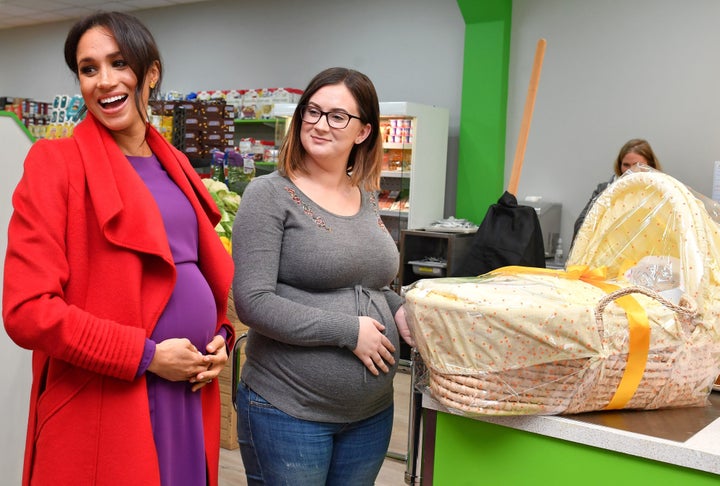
(419, 174)
(263, 129)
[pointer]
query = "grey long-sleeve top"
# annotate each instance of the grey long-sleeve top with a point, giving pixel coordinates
(302, 276)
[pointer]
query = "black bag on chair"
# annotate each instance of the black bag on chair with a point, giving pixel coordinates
(509, 235)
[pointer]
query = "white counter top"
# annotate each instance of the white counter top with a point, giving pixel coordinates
(700, 451)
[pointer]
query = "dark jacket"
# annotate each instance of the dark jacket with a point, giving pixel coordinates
(596, 193)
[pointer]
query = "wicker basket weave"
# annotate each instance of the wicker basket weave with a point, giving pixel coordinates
(678, 373)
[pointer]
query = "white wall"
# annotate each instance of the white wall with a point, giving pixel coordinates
(14, 361)
(614, 70)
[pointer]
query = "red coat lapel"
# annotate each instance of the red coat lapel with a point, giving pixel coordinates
(125, 209)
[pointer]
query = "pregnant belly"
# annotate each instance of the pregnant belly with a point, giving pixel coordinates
(190, 312)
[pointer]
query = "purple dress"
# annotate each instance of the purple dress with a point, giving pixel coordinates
(175, 411)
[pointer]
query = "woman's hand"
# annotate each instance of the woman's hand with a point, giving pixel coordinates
(177, 359)
(374, 348)
(215, 361)
(403, 328)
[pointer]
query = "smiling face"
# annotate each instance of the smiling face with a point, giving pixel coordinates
(108, 84)
(323, 143)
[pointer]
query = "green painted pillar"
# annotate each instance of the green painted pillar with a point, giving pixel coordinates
(483, 116)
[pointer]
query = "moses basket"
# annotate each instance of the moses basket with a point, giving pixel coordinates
(631, 322)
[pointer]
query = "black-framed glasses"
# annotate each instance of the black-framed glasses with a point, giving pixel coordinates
(335, 119)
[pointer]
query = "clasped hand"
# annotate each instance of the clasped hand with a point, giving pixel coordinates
(177, 359)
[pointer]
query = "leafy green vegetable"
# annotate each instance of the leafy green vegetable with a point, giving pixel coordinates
(227, 202)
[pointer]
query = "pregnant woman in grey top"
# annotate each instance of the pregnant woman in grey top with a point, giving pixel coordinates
(313, 267)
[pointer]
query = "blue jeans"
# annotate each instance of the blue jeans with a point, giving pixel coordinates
(278, 449)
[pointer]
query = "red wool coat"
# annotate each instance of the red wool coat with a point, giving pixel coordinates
(88, 271)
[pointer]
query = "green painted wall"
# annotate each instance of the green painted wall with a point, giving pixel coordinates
(483, 115)
(470, 452)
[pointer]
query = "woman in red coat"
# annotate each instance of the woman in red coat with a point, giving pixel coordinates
(116, 280)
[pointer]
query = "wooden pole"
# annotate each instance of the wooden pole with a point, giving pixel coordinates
(527, 118)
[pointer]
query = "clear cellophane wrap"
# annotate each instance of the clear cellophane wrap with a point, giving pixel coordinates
(632, 321)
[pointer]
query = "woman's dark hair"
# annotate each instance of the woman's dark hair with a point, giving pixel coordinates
(640, 147)
(136, 43)
(365, 162)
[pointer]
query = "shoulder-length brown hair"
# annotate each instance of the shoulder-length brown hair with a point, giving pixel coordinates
(364, 164)
(640, 147)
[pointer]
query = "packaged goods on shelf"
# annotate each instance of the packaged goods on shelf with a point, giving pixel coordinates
(401, 204)
(633, 321)
(241, 170)
(208, 95)
(55, 119)
(257, 104)
(161, 117)
(172, 95)
(387, 198)
(397, 130)
(247, 104)
(259, 150)
(196, 127)
(395, 160)
(218, 166)
(65, 113)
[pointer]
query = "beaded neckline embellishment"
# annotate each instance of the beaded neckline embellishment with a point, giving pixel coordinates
(307, 209)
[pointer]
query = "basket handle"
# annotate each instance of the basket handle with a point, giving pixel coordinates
(687, 307)
(639, 340)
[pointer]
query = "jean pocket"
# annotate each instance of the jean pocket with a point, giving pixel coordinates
(254, 399)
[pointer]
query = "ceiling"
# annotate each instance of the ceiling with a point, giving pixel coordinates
(20, 13)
